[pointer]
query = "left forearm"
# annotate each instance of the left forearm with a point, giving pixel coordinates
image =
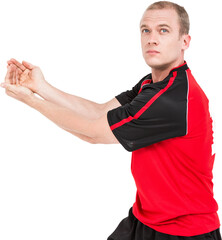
(82, 137)
(63, 117)
(90, 130)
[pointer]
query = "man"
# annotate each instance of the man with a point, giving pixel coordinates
(164, 120)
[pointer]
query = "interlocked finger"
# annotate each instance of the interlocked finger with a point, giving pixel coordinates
(14, 77)
(24, 75)
(18, 64)
(17, 76)
(9, 76)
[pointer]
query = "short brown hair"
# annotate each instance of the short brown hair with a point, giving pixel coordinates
(181, 12)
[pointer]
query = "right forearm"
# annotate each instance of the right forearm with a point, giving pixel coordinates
(83, 106)
(32, 78)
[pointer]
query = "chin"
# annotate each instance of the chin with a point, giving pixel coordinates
(155, 64)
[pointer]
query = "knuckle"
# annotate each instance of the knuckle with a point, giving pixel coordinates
(26, 71)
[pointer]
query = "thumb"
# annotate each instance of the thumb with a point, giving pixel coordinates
(3, 85)
(28, 65)
(7, 86)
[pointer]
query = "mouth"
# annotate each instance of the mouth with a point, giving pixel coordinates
(152, 52)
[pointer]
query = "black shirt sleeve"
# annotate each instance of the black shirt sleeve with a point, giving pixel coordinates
(157, 113)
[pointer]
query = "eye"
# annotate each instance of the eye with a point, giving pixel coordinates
(145, 30)
(164, 30)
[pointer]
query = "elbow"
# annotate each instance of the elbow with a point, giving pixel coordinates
(97, 140)
(92, 141)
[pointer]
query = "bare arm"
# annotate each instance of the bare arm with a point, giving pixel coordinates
(65, 105)
(90, 130)
(93, 131)
(106, 107)
(87, 108)
(31, 77)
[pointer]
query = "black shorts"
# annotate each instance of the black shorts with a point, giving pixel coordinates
(131, 228)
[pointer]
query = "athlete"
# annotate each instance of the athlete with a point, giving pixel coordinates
(164, 121)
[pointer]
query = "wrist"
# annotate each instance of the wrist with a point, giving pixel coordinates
(34, 101)
(43, 89)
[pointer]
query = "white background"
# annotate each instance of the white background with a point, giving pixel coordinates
(53, 185)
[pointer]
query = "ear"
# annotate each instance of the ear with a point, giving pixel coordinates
(186, 41)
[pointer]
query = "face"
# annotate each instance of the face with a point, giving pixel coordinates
(161, 44)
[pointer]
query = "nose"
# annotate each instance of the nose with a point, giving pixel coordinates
(152, 39)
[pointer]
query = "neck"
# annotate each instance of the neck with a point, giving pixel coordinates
(159, 74)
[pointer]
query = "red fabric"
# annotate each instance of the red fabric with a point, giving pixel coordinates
(174, 176)
(147, 81)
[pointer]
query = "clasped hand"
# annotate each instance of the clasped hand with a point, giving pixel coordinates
(22, 80)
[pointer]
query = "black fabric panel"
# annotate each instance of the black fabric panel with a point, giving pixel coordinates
(129, 95)
(164, 119)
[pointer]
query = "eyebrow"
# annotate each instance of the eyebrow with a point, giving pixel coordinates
(160, 25)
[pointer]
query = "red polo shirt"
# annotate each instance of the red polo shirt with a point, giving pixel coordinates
(168, 128)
